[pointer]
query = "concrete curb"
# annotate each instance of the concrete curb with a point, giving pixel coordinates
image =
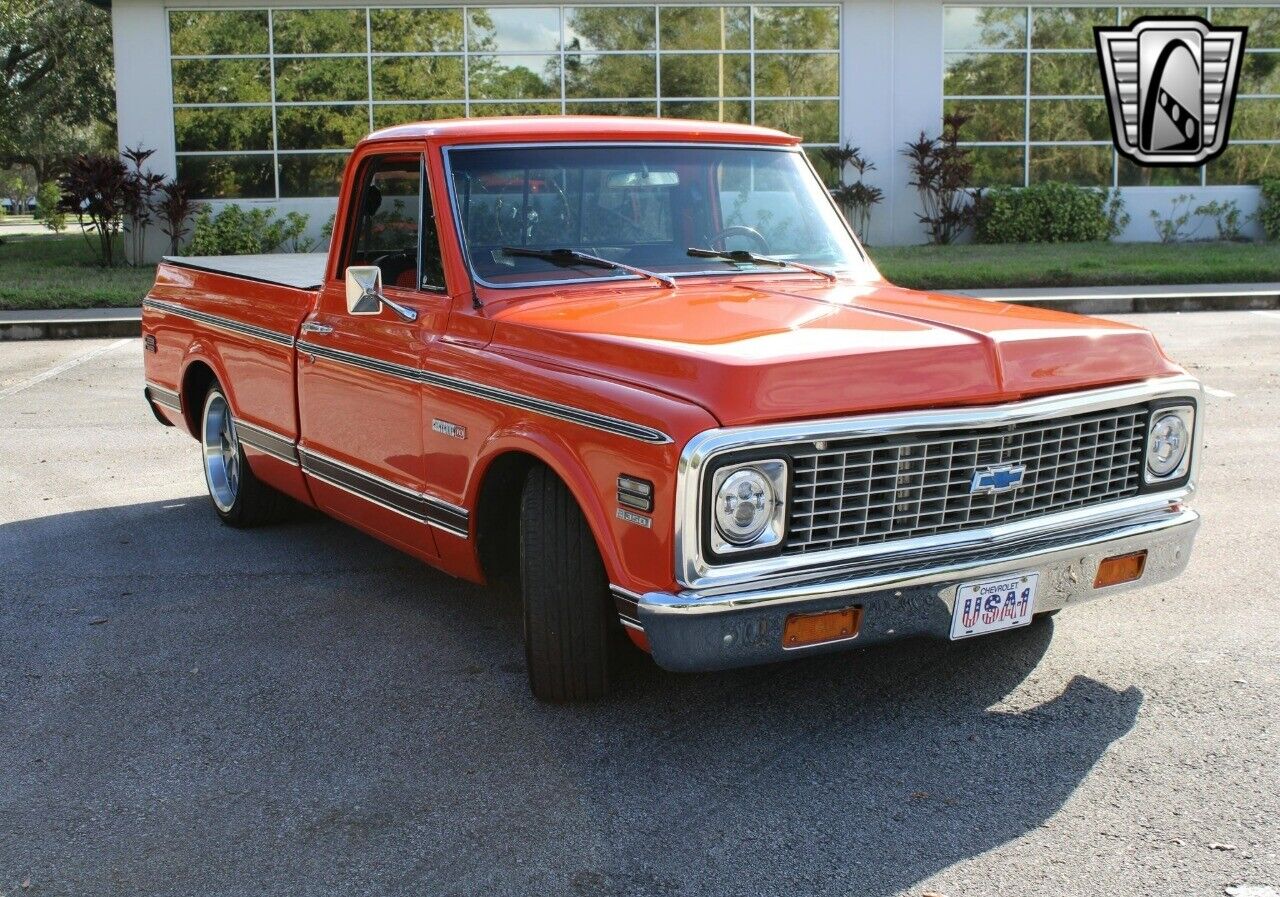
(70, 323)
(69, 330)
(102, 323)
(1131, 300)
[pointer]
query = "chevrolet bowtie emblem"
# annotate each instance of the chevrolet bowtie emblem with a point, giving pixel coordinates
(998, 479)
(1171, 86)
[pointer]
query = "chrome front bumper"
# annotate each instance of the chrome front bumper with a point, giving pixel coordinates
(688, 631)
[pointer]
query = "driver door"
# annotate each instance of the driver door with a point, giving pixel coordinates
(359, 401)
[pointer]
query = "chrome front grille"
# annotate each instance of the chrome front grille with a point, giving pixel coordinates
(868, 489)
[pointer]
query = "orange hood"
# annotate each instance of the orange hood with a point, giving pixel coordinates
(784, 349)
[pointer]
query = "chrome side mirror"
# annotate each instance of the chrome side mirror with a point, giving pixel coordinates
(364, 293)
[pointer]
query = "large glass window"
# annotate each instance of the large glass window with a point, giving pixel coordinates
(642, 206)
(1028, 78)
(267, 101)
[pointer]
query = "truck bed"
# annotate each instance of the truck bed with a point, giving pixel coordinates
(300, 270)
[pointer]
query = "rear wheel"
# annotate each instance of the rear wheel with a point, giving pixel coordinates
(239, 497)
(567, 607)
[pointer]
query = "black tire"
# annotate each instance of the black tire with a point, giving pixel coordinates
(568, 611)
(246, 501)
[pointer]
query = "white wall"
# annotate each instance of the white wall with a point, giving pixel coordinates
(891, 82)
(1139, 202)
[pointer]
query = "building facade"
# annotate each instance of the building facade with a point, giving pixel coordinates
(257, 102)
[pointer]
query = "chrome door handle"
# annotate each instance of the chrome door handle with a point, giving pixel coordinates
(312, 327)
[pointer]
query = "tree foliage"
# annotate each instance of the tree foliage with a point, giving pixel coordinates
(1268, 213)
(17, 185)
(1051, 212)
(141, 188)
(95, 189)
(941, 171)
(48, 207)
(855, 198)
(174, 209)
(238, 231)
(58, 94)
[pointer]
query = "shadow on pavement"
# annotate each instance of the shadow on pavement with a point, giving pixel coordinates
(185, 708)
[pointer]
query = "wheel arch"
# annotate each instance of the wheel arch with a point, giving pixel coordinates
(197, 378)
(200, 370)
(500, 475)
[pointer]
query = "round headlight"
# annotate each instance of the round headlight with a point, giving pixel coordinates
(744, 505)
(1168, 444)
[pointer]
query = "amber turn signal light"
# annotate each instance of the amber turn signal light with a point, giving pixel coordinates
(824, 626)
(1121, 568)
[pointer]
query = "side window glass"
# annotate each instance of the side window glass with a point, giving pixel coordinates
(432, 261)
(388, 219)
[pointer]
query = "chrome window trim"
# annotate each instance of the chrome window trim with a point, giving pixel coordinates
(460, 234)
(569, 413)
(162, 395)
(694, 572)
(436, 512)
(211, 320)
(277, 445)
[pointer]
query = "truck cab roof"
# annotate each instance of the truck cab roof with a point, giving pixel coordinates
(593, 128)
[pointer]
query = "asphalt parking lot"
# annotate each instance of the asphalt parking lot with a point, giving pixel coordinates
(187, 709)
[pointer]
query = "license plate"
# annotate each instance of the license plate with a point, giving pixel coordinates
(992, 605)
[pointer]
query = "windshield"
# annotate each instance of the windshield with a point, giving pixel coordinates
(642, 206)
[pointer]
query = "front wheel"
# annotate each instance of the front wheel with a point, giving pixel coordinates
(239, 497)
(565, 591)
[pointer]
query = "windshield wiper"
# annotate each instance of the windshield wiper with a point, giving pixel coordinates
(743, 257)
(566, 258)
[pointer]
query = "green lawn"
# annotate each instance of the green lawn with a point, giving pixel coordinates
(990, 266)
(49, 271)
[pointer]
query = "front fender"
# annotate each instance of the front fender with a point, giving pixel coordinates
(635, 557)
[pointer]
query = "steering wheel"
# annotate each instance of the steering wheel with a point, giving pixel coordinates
(393, 264)
(718, 240)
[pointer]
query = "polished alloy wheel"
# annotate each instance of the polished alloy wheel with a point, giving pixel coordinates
(221, 452)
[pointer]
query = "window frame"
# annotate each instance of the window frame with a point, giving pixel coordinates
(356, 212)
(735, 18)
(455, 210)
(1030, 52)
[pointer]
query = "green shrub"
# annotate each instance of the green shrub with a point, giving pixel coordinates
(1171, 228)
(1228, 220)
(1268, 213)
(48, 207)
(237, 231)
(1049, 213)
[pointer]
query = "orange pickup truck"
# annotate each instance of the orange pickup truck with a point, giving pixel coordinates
(645, 367)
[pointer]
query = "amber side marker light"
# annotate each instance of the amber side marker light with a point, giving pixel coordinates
(824, 626)
(1121, 568)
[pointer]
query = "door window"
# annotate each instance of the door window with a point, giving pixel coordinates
(388, 219)
(390, 227)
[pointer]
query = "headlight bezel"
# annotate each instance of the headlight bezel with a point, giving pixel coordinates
(1186, 410)
(776, 471)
